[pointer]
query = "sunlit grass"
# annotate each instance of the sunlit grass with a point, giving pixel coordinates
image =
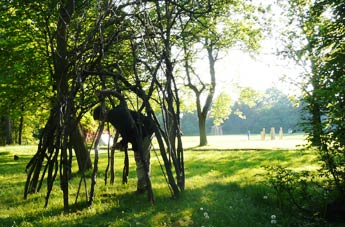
(223, 188)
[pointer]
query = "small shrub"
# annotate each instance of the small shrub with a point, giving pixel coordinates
(297, 188)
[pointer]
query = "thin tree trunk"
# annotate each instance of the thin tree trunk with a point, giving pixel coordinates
(8, 130)
(316, 122)
(20, 129)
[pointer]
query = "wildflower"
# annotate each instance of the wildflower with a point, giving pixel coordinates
(273, 217)
(206, 215)
(265, 197)
(201, 208)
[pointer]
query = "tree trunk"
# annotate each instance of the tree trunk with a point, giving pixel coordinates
(80, 148)
(61, 78)
(20, 129)
(202, 130)
(316, 122)
(316, 108)
(203, 114)
(8, 130)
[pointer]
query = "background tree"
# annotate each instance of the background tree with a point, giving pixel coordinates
(257, 110)
(221, 109)
(229, 24)
(24, 75)
(253, 110)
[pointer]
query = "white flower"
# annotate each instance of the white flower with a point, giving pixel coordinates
(273, 221)
(273, 217)
(201, 208)
(206, 215)
(265, 197)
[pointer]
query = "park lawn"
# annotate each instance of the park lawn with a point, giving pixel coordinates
(223, 188)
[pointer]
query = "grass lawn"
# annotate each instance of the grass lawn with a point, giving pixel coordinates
(241, 142)
(223, 188)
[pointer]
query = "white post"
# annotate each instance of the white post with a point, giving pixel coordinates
(273, 134)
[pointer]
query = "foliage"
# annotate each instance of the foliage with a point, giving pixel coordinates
(320, 31)
(249, 97)
(24, 73)
(252, 112)
(332, 96)
(221, 108)
(297, 188)
(226, 25)
(255, 110)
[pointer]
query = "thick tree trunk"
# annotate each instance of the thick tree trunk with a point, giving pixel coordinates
(80, 148)
(202, 130)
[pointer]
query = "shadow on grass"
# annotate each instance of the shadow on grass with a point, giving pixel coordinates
(5, 153)
(210, 202)
(9, 166)
(241, 160)
(212, 205)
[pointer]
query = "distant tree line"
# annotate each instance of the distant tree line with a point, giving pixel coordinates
(253, 111)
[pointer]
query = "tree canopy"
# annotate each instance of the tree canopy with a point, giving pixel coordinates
(229, 24)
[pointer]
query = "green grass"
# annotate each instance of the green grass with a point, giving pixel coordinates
(223, 188)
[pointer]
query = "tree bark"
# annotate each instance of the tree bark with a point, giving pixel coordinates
(80, 149)
(20, 129)
(203, 114)
(315, 108)
(316, 122)
(64, 102)
(8, 130)
(202, 130)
